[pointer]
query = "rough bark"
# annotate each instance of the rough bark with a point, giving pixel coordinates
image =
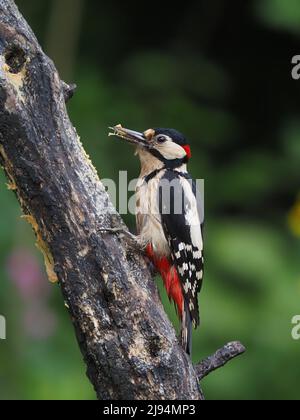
(219, 359)
(128, 344)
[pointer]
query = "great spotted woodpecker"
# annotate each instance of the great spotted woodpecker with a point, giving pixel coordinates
(170, 218)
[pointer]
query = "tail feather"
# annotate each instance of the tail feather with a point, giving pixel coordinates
(186, 330)
(173, 287)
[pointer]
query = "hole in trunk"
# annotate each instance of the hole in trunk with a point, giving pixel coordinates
(15, 58)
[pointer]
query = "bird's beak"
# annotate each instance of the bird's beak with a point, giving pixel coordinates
(133, 137)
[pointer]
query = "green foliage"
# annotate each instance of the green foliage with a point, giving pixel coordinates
(247, 151)
(280, 14)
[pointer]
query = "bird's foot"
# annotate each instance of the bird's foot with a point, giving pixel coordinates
(152, 268)
(133, 241)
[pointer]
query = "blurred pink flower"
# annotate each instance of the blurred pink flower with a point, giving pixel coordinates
(25, 271)
(39, 322)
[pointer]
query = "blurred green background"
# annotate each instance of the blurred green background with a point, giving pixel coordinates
(220, 72)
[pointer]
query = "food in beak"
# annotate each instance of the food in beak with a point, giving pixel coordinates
(117, 131)
(131, 136)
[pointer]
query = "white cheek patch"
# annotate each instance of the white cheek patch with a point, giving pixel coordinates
(170, 150)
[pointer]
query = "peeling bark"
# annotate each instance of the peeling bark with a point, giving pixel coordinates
(127, 342)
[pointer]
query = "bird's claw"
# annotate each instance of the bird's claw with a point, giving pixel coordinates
(131, 240)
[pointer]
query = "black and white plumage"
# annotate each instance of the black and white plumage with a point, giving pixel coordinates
(182, 219)
(170, 218)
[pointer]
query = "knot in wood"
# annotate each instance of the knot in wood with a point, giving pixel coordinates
(15, 58)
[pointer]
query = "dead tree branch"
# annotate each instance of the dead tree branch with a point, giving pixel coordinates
(129, 346)
(219, 359)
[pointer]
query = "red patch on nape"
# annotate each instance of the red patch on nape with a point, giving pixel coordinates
(187, 149)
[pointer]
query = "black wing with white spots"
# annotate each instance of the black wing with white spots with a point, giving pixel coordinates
(182, 224)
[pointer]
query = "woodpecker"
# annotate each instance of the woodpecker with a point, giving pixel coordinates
(169, 218)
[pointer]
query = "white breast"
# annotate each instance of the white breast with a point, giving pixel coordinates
(148, 217)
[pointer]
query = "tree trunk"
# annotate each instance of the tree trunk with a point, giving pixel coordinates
(130, 348)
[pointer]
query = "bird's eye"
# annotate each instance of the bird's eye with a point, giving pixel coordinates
(161, 139)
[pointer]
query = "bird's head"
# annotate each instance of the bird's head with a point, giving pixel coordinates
(165, 144)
